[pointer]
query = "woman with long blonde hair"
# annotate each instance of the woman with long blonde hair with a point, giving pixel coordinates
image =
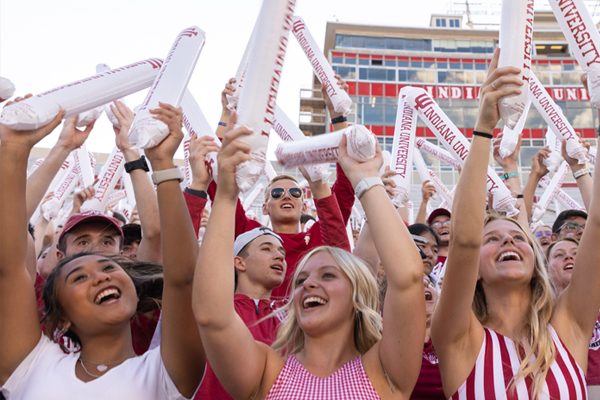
(332, 344)
(496, 329)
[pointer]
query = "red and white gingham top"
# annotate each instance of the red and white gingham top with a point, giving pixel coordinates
(347, 383)
(498, 363)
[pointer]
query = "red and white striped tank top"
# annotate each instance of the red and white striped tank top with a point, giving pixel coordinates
(347, 383)
(498, 362)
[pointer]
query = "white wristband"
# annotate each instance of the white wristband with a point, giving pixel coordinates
(167, 175)
(366, 184)
(581, 172)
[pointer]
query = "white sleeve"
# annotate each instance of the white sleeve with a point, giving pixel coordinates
(20, 374)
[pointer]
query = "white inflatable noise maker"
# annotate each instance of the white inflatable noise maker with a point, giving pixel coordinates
(256, 102)
(80, 96)
(339, 98)
(361, 145)
(169, 87)
(516, 45)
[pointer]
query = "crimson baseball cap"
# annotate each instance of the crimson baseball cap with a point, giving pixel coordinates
(437, 212)
(89, 216)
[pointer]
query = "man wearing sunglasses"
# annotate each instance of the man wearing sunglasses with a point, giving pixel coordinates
(569, 223)
(439, 221)
(284, 203)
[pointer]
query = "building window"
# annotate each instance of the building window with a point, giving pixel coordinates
(443, 22)
(390, 63)
(346, 72)
(452, 23)
(366, 42)
(337, 60)
(438, 22)
(377, 62)
(377, 74)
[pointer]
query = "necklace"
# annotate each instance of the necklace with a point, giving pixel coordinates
(88, 372)
(99, 366)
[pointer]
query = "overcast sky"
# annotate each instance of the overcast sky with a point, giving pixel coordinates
(44, 44)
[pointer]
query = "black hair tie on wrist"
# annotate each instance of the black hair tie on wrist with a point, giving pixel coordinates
(484, 135)
(339, 119)
(520, 196)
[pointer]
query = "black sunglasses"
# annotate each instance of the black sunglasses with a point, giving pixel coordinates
(278, 193)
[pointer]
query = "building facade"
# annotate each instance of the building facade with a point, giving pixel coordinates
(450, 62)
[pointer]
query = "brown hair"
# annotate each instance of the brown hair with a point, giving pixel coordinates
(277, 178)
(147, 279)
(551, 246)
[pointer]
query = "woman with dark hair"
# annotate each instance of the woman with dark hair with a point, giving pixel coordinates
(92, 298)
(428, 241)
(497, 330)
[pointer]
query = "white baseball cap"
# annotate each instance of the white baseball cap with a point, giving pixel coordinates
(246, 237)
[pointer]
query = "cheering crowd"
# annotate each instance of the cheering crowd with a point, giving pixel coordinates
(464, 304)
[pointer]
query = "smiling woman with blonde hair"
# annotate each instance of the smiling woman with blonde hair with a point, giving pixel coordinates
(497, 332)
(332, 344)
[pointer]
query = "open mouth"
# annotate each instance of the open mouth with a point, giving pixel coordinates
(277, 267)
(568, 267)
(287, 206)
(107, 296)
(509, 256)
(428, 296)
(312, 302)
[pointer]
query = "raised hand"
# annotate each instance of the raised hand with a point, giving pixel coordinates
(125, 117)
(427, 191)
(199, 148)
(510, 162)
(497, 85)
(344, 86)
(28, 139)
(357, 171)
(233, 152)
(161, 156)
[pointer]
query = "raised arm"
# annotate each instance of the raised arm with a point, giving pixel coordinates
(236, 358)
(510, 166)
(19, 324)
(181, 347)
(427, 190)
(399, 351)
(70, 138)
(455, 330)
(143, 189)
(538, 170)
(584, 182)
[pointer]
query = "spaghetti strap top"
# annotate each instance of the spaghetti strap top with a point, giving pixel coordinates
(498, 362)
(348, 383)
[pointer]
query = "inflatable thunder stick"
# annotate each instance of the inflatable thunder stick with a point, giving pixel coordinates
(510, 137)
(7, 89)
(111, 116)
(567, 201)
(402, 148)
(35, 166)
(553, 116)
(584, 40)
(83, 163)
(324, 148)
(269, 171)
(516, 45)
(108, 178)
(289, 132)
(592, 156)
(339, 98)
(169, 87)
(82, 95)
(425, 174)
(252, 196)
(240, 75)
(196, 124)
(51, 208)
(437, 152)
(65, 168)
(550, 192)
(554, 144)
(256, 104)
(458, 145)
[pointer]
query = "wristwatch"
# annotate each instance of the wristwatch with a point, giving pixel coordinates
(137, 164)
(366, 184)
(167, 175)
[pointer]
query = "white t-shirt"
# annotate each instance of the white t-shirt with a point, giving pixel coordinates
(48, 373)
